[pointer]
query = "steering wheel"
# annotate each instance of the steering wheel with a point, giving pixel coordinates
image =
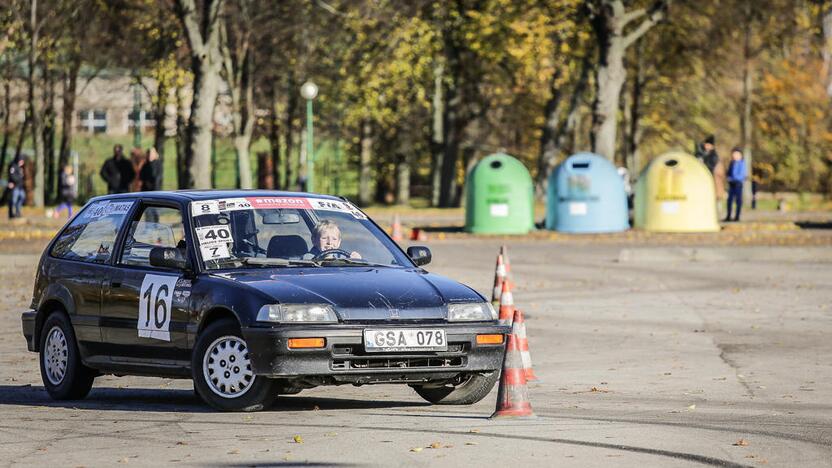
(332, 253)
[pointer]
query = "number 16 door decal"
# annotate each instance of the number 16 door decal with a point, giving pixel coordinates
(155, 299)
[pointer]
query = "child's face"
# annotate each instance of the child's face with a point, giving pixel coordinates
(736, 155)
(330, 239)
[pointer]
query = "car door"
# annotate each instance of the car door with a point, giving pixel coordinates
(145, 308)
(82, 255)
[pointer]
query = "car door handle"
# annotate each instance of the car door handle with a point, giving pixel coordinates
(115, 284)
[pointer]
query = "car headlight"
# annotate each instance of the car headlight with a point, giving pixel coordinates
(471, 312)
(294, 313)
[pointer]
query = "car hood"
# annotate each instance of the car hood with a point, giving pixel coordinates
(360, 293)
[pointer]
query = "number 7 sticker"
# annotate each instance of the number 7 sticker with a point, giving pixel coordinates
(155, 299)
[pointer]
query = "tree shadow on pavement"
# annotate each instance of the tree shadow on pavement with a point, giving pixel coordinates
(814, 225)
(183, 401)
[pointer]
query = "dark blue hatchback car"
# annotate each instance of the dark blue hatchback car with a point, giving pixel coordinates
(252, 294)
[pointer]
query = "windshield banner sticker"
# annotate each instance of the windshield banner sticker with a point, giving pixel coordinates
(108, 208)
(299, 203)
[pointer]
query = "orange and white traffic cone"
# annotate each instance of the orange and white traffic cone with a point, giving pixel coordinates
(506, 303)
(397, 229)
(499, 278)
(513, 393)
(519, 329)
(506, 261)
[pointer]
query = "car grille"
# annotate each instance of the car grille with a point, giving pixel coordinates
(354, 357)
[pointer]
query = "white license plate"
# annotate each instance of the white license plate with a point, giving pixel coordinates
(420, 339)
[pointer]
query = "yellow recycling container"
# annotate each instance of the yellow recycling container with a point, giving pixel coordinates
(675, 193)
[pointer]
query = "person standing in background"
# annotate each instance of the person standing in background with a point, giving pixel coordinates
(151, 172)
(737, 173)
(706, 152)
(118, 172)
(68, 191)
(17, 192)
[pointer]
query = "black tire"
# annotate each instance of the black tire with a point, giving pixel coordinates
(470, 391)
(61, 350)
(250, 395)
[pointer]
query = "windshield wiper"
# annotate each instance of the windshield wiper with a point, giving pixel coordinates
(278, 262)
(350, 261)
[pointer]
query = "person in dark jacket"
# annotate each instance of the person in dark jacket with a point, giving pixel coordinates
(706, 152)
(736, 175)
(68, 191)
(17, 191)
(151, 172)
(118, 172)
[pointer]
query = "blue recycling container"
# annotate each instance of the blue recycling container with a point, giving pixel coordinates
(586, 195)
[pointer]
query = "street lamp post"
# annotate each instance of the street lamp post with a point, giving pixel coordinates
(309, 91)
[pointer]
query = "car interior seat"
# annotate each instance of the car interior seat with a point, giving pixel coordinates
(289, 247)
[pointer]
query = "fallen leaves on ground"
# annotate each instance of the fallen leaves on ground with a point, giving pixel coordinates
(741, 443)
(298, 439)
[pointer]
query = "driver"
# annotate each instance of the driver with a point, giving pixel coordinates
(327, 236)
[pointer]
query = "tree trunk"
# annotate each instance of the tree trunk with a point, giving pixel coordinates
(181, 129)
(635, 130)
(608, 23)
(49, 133)
(437, 134)
(746, 125)
(555, 143)
(37, 127)
(365, 194)
(827, 46)
(70, 84)
(274, 135)
(200, 134)
(202, 32)
(291, 108)
(403, 179)
(160, 114)
(7, 102)
(610, 79)
(547, 158)
(24, 127)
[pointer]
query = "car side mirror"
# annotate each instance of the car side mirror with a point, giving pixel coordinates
(419, 254)
(168, 257)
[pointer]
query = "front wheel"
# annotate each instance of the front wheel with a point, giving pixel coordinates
(222, 372)
(471, 390)
(64, 376)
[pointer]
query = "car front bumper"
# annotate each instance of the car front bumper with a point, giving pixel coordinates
(343, 358)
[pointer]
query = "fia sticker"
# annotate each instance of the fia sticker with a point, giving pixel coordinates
(155, 306)
(233, 204)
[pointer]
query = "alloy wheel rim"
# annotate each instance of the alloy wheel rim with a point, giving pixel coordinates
(226, 367)
(55, 355)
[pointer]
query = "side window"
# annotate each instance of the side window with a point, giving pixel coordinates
(91, 235)
(156, 227)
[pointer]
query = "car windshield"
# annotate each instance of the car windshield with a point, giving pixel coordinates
(258, 232)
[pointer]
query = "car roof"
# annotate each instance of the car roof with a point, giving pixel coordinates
(196, 195)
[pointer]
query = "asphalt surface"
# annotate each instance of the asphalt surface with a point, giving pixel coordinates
(646, 357)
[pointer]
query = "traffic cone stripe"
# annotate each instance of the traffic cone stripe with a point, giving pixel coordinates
(513, 394)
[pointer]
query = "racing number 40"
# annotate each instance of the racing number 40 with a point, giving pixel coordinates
(155, 299)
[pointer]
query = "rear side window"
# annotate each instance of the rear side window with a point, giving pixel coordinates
(91, 236)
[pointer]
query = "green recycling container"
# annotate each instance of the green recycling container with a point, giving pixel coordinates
(499, 197)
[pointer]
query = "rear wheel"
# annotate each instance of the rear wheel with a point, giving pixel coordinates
(222, 372)
(64, 376)
(471, 390)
